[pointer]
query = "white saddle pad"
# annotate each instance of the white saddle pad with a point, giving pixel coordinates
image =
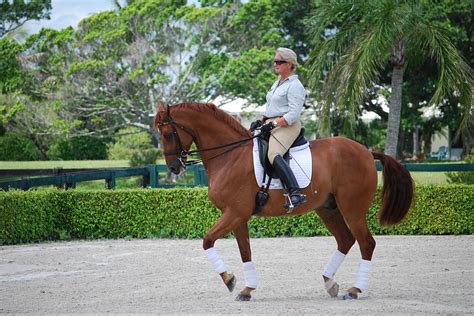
(300, 163)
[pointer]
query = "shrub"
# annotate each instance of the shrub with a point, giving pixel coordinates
(78, 148)
(131, 140)
(188, 213)
(145, 157)
(465, 177)
(135, 145)
(15, 147)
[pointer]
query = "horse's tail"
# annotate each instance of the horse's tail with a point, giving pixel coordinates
(397, 192)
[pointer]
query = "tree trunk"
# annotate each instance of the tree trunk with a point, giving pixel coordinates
(415, 143)
(450, 141)
(394, 114)
(403, 142)
(427, 143)
(395, 108)
(468, 139)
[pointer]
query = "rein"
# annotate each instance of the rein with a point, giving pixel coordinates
(234, 144)
(183, 154)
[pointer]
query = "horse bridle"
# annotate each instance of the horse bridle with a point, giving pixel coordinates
(183, 154)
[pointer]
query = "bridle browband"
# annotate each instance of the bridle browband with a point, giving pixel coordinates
(182, 154)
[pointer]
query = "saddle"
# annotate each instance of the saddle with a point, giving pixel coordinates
(263, 152)
(268, 170)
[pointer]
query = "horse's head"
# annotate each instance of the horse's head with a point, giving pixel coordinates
(176, 139)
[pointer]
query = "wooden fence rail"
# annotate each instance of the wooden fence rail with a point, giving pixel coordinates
(67, 178)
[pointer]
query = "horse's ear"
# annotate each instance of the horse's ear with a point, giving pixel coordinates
(163, 107)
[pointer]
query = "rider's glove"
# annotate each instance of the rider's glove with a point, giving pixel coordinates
(255, 125)
(266, 129)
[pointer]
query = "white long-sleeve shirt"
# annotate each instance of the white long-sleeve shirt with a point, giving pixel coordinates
(286, 99)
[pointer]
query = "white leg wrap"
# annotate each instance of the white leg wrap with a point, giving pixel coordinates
(363, 275)
(250, 274)
(216, 261)
(334, 264)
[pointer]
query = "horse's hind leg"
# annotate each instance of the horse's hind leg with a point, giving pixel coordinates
(366, 243)
(334, 222)
(354, 211)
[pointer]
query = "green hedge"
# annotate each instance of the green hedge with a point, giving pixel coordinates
(33, 216)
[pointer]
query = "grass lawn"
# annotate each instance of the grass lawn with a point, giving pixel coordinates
(424, 177)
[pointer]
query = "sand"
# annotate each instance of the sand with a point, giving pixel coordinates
(411, 275)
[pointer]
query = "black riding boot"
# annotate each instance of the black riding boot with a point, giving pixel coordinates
(286, 175)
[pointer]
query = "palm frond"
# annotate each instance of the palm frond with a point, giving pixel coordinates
(344, 67)
(455, 76)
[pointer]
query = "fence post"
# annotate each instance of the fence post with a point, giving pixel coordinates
(197, 175)
(69, 182)
(110, 182)
(203, 175)
(59, 171)
(153, 175)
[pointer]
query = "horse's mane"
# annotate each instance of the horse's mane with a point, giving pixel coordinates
(214, 110)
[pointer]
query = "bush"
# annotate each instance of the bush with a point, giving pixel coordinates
(14, 147)
(145, 157)
(131, 140)
(135, 145)
(187, 213)
(78, 148)
(465, 177)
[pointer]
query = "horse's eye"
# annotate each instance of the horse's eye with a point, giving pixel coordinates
(168, 136)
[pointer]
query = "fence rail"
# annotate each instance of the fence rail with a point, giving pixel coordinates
(149, 174)
(434, 167)
(67, 178)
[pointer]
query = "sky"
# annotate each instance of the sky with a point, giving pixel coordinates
(66, 13)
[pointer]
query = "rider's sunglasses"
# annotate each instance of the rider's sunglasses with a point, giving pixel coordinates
(280, 62)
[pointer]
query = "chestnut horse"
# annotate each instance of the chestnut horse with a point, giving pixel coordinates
(344, 175)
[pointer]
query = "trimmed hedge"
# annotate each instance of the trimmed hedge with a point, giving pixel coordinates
(34, 216)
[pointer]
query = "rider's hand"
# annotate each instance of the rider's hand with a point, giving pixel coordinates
(266, 129)
(255, 125)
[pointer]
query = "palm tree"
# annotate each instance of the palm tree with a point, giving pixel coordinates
(354, 41)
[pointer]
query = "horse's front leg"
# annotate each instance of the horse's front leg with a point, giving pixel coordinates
(241, 233)
(224, 225)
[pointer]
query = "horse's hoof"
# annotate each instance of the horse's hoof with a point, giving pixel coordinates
(350, 296)
(332, 288)
(231, 284)
(243, 297)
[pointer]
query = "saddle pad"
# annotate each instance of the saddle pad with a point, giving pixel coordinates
(300, 163)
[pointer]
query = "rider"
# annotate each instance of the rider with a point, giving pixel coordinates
(284, 105)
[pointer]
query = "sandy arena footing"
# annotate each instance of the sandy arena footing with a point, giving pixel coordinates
(411, 275)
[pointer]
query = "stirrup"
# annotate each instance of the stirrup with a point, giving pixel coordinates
(291, 205)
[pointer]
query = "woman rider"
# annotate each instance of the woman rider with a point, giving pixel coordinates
(284, 105)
